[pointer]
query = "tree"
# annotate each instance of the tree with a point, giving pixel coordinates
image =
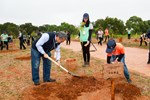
(10, 28)
(136, 23)
(28, 28)
(52, 28)
(1, 28)
(115, 25)
(43, 28)
(146, 26)
(98, 23)
(68, 27)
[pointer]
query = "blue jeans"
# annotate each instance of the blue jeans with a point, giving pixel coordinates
(35, 62)
(126, 72)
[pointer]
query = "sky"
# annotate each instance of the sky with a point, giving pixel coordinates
(54, 12)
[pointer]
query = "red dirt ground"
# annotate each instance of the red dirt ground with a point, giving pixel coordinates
(71, 64)
(74, 88)
(23, 58)
(83, 88)
(8, 51)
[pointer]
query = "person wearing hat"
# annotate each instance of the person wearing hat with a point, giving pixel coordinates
(115, 54)
(85, 38)
(41, 49)
(148, 36)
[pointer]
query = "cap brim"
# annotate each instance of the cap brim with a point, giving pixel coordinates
(109, 50)
(85, 17)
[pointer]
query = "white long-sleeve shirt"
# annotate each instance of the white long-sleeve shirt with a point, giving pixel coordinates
(44, 38)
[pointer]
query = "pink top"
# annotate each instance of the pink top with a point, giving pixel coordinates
(106, 32)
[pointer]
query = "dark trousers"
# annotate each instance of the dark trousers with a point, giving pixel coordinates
(28, 42)
(106, 37)
(4, 43)
(68, 41)
(22, 44)
(35, 63)
(129, 36)
(33, 39)
(141, 41)
(100, 40)
(86, 51)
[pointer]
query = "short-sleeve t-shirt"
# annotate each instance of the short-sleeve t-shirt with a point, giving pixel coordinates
(119, 49)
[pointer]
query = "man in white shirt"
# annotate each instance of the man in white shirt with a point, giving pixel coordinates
(100, 36)
(41, 48)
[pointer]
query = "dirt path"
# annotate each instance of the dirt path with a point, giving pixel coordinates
(136, 58)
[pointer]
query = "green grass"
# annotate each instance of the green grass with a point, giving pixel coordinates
(126, 42)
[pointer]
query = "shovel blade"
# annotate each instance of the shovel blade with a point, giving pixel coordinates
(73, 74)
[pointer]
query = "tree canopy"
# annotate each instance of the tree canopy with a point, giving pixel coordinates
(116, 26)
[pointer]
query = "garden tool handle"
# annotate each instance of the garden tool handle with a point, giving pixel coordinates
(57, 64)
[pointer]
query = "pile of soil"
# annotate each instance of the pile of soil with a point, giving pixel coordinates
(71, 64)
(136, 40)
(73, 88)
(120, 39)
(127, 91)
(8, 51)
(23, 58)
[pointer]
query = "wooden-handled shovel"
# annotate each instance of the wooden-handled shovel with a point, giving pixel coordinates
(62, 67)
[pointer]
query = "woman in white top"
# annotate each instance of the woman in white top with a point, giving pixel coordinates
(100, 36)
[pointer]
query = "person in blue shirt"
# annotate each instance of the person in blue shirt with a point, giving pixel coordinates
(41, 49)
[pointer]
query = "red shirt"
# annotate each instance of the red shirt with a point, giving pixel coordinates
(119, 49)
(106, 32)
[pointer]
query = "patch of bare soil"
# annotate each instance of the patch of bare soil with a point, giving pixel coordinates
(135, 40)
(12, 72)
(9, 51)
(120, 39)
(71, 64)
(23, 58)
(127, 91)
(74, 88)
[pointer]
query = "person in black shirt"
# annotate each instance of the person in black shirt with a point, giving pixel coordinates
(21, 40)
(68, 38)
